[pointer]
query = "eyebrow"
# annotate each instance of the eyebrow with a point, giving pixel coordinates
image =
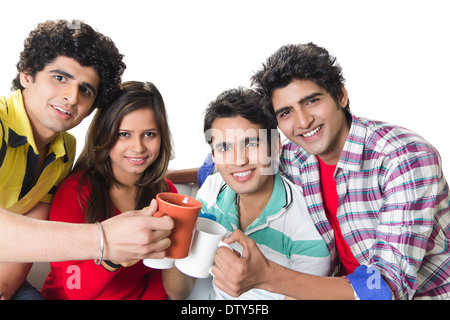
(311, 96)
(302, 101)
(71, 77)
(146, 130)
(251, 139)
(281, 110)
(221, 144)
(246, 140)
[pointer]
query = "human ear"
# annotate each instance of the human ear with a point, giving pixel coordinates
(343, 100)
(25, 79)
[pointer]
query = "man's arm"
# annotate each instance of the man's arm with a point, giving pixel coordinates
(12, 275)
(177, 284)
(131, 235)
(236, 275)
(183, 175)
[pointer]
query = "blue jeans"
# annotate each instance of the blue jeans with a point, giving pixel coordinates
(27, 292)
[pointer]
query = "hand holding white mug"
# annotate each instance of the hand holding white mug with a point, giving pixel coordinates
(207, 239)
(236, 274)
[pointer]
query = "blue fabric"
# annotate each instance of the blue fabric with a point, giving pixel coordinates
(205, 170)
(27, 292)
(207, 215)
(368, 284)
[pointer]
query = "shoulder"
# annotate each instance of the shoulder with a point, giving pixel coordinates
(289, 149)
(70, 142)
(71, 181)
(171, 186)
(290, 156)
(389, 138)
(66, 204)
(6, 103)
(399, 147)
(211, 188)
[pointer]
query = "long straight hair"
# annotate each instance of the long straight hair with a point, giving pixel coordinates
(94, 162)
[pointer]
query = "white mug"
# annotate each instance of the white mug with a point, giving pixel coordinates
(207, 239)
(164, 263)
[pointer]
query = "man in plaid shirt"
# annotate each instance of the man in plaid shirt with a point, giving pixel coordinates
(376, 192)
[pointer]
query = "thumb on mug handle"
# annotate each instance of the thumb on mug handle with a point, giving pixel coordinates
(224, 244)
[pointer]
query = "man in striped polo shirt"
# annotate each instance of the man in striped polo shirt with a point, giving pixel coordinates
(247, 194)
(376, 192)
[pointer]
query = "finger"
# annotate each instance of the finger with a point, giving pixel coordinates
(156, 249)
(245, 242)
(151, 209)
(223, 283)
(237, 236)
(214, 271)
(228, 255)
(225, 260)
(220, 278)
(163, 223)
(158, 235)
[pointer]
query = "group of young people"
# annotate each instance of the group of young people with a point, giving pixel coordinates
(346, 208)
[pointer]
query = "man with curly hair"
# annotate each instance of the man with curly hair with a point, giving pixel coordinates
(66, 70)
(375, 191)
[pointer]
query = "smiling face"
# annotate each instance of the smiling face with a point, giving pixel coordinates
(59, 97)
(240, 153)
(309, 117)
(137, 147)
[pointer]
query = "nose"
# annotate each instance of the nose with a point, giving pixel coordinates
(71, 94)
(240, 155)
(137, 145)
(303, 118)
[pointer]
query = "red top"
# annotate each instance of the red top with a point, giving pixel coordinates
(84, 280)
(331, 201)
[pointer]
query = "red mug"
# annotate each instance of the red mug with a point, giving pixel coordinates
(184, 211)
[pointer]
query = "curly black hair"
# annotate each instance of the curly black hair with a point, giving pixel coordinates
(299, 62)
(74, 39)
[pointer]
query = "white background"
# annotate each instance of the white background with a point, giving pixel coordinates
(395, 54)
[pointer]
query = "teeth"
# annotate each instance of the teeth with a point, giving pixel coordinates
(61, 110)
(136, 159)
(242, 174)
(311, 133)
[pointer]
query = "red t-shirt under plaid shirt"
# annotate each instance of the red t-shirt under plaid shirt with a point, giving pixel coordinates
(331, 201)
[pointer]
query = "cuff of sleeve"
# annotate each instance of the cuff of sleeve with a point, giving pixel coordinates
(205, 170)
(368, 284)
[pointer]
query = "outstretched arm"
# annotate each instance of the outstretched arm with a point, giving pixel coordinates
(132, 235)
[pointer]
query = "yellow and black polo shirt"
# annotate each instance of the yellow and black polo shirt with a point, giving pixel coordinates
(19, 159)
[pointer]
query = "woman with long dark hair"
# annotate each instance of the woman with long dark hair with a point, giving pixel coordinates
(121, 167)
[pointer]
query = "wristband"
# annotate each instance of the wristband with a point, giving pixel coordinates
(112, 264)
(368, 284)
(102, 241)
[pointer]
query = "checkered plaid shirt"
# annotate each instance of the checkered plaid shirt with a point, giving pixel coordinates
(393, 206)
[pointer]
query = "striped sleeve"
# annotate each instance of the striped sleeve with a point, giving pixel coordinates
(412, 186)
